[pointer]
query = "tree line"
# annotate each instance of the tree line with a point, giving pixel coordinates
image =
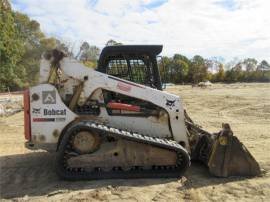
(22, 42)
(180, 69)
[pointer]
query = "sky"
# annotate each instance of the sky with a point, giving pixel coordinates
(220, 28)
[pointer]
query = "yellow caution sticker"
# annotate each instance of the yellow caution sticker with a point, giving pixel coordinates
(223, 140)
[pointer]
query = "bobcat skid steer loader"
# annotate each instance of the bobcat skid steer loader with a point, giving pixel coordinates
(116, 122)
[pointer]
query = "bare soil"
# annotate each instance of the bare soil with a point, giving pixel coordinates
(29, 176)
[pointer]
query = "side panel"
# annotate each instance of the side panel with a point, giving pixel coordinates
(156, 126)
(49, 115)
(95, 80)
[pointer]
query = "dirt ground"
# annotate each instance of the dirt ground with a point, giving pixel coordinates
(29, 176)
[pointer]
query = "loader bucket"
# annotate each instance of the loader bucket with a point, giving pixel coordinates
(229, 157)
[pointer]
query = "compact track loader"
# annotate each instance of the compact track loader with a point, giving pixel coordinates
(116, 122)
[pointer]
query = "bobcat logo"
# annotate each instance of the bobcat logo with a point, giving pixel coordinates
(170, 103)
(48, 97)
(36, 110)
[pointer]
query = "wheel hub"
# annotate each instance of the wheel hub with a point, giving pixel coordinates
(86, 142)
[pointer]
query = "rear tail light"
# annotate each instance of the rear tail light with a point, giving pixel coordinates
(27, 126)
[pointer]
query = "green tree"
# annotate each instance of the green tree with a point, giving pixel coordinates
(263, 66)
(163, 68)
(180, 68)
(35, 43)
(250, 64)
(21, 46)
(182, 57)
(220, 76)
(198, 69)
(11, 50)
(89, 54)
(83, 48)
(235, 74)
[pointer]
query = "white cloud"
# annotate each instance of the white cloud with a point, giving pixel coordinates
(183, 26)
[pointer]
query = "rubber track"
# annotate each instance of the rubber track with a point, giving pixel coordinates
(183, 160)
